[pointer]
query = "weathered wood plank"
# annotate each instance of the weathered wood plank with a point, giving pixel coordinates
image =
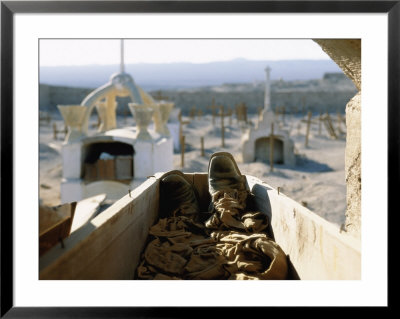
(109, 246)
(316, 248)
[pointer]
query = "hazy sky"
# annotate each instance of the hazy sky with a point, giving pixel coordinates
(107, 51)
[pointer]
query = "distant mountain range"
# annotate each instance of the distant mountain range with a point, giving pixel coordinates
(151, 76)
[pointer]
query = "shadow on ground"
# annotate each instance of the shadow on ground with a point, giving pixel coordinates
(304, 164)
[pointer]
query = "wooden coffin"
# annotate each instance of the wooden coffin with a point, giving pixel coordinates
(109, 247)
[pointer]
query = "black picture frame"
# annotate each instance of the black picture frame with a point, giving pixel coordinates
(9, 8)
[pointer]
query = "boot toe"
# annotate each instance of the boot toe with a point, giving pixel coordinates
(223, 173)
(175, 192)
(222, 166)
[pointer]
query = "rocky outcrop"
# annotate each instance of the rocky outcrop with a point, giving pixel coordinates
(347, 54)
(353, 164)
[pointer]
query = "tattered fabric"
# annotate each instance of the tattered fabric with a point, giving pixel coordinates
(231, 244)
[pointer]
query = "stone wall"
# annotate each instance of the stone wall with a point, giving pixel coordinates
(301, 101)
(327, 95)
(50, 96)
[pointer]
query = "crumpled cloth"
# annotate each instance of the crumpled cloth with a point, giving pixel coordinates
(181, 249)
(252, 256)
(231, 244)
(229, 213)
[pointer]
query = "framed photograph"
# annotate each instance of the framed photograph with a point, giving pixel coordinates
(35, 34)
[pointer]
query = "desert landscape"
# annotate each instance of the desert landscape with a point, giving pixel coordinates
(317, 181)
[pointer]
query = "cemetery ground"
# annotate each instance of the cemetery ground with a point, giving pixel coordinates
(317, 181)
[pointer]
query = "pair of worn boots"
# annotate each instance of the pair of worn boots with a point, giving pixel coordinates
(228, 240)
(227, 187)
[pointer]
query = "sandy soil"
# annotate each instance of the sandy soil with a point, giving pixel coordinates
(317, 181)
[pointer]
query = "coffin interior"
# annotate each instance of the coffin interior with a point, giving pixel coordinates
(109, 246)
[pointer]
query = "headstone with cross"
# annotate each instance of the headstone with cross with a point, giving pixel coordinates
(158, 96)
(181, 123)
(222, 114)
(237, 113)
(271, 148)
(272, 138)
(213, 109)
(230, 112)
(56, 131)
(192, 113)
(328, 125)
(241, 112)
(308, 121)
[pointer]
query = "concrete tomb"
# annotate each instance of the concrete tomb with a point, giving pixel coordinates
(256, 142)
(114, 160)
